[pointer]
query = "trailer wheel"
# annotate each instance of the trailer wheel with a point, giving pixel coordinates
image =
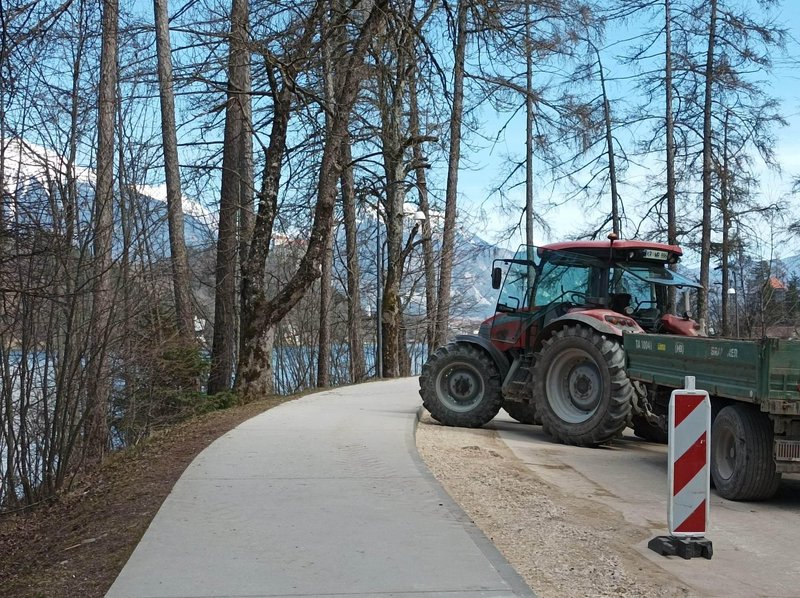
(460, 385)
(581, 389)
(741, 454)
(524, 413)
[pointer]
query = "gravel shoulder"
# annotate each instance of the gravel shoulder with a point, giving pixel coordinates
(561, 545)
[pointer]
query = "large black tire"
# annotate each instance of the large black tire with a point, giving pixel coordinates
(581, 389)
(647, 430)
(741, 454)
(460, 385)
(524, 413)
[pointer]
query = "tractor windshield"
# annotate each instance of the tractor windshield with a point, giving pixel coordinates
(658, 274)
(641, 290)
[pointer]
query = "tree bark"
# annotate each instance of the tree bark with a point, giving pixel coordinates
(669, 121)
(612, 168)
(705, 248)
(529, 122)
(391, 92)
(724, 196)
(324, 339)
(224, 343)
(428, 258)
(99, 383)
(255, 358)
(180, 264)
(330, 37)
(354, 333)
(451, 192)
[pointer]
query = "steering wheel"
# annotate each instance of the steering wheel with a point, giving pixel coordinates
(639, 304)
(581, 297)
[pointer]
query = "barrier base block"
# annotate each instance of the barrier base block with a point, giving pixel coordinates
(687, 548)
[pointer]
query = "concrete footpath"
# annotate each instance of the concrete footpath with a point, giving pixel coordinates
(323, 496)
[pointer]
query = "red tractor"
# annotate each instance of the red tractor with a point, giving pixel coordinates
(552, 353)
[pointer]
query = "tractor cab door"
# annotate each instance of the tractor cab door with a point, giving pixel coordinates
(513, 315)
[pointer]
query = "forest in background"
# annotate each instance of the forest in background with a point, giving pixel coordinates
(309, 153)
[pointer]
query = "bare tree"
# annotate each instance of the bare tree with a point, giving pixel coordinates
(260, 314)
(705, 243)
(99, 378)
(354, 332)
(180, 264)
(454, 159)
(225, 325)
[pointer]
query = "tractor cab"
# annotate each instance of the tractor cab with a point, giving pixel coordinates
(625, 285)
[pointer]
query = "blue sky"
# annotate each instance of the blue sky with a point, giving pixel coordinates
(476, 182)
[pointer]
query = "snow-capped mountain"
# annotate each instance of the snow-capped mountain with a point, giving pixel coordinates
(39, 194)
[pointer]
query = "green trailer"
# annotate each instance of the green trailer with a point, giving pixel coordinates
(755, 395)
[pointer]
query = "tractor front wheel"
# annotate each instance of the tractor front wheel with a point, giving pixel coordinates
(460, 385)
(581, 389)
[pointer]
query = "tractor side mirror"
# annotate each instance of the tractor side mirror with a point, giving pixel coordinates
(497, 277)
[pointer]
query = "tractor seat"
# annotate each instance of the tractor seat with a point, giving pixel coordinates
(619, 301)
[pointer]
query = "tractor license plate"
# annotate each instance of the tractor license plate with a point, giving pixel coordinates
(655, 254)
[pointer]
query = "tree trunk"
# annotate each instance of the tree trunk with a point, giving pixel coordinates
(324, 332)
(324, 339)
(420, 178)
(669, 118)
(247, 214)
(99, 383)
(724, 190)
(451, 192)
(391, 98)
(529, 122)
(705, 249)
(354, 333)
(255, 358)
(180, 264)
(224, 343)
(612, 169)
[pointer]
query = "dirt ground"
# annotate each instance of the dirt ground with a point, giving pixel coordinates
(77, 544)
(561, 545)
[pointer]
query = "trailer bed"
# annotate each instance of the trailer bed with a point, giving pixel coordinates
(765, 372)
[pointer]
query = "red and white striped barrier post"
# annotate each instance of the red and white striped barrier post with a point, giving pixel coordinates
(689, 476)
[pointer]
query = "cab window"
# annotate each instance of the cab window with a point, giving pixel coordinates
(557, 281)
(514, 294)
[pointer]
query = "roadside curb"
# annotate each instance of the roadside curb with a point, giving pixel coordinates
(484, 544)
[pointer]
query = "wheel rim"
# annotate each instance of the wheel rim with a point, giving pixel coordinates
(574, 386)
(460, 386)
(724, 452)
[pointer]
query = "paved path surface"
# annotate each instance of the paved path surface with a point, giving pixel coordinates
(755, 543)
(323, 496)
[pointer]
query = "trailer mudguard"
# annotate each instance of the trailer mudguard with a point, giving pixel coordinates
(484, 343)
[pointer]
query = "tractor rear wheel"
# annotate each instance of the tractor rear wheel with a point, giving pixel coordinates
(581, 389)
(524, 413)
(460, 385)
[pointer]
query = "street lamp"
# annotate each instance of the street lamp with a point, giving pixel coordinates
(732, 296)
